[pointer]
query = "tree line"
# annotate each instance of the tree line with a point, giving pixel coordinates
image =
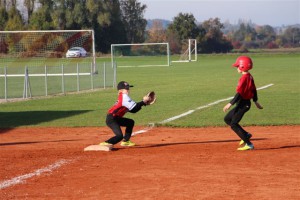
(122, 21)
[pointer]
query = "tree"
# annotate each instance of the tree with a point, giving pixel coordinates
(291, 37)
(183, 27)
(157, 33)
(214, 40)
(106, 19)
(246, 35)
(69, 14)
(14, 21)
(29, 5)
(133, 20)
(41, 19)
(265, 36)
(3, 18)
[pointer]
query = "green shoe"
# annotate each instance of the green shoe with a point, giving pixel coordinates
(242, 141)
(106, 144)
(246, 147)
(127, 144)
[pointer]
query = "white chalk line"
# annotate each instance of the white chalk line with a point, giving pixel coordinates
(191, 111)
(59, 163)
(38, 172)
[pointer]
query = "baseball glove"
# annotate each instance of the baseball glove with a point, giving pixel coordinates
(150, 98)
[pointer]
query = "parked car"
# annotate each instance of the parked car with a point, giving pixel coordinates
(76, 52)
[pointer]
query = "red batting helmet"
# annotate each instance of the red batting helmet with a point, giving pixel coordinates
(244, 63)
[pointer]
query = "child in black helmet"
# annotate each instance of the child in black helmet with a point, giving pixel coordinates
(115, 119)
(246, 91)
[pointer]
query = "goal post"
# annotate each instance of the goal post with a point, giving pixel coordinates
(140, 54)
(189, 51)
(45, 47)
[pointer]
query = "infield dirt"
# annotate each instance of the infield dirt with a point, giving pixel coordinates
(167, 163)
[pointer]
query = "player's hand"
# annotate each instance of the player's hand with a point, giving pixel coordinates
(258, 105)
(227, 107)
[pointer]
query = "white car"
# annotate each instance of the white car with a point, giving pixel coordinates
(76, 52)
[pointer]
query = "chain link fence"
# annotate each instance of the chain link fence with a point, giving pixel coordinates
(28, 81)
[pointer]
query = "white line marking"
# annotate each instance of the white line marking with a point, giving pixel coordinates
(191, 111)
(38, 172)
(206, 106)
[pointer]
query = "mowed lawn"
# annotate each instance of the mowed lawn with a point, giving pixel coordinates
(180, 88)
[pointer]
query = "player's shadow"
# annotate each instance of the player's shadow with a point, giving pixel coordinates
(34, 142)
(282, 147)
(10, 120)
(189, 143)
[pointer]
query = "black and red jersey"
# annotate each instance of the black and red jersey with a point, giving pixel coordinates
(246, 87)
(122, 106)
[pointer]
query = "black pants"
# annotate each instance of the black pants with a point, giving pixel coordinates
(115, 124)
(235, 115)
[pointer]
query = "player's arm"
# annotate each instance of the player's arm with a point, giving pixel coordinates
(137, 107)
(235, 99)
(255, 98)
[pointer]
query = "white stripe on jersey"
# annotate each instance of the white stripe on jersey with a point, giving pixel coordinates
(128, 102)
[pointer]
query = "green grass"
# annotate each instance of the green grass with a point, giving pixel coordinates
(180, 88)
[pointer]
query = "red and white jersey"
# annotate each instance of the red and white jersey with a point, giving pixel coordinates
(122, 106)
(246, 86)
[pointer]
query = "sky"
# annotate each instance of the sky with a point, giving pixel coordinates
(261, 12)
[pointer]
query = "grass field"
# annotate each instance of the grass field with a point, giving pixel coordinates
(180, 88)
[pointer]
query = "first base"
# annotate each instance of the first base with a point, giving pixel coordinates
(98, 148)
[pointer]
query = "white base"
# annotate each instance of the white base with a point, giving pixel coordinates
(98, 148)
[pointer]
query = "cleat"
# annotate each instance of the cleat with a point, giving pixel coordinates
(246, 147)
(127, 144)
(106, 144)
(242, 141)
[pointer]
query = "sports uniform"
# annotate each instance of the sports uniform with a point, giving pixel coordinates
(245, 91)
(115, 119)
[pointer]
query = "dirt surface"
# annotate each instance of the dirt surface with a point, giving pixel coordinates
(167, 163)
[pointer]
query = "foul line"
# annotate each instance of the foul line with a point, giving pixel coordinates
(21, 179)
(191, 111)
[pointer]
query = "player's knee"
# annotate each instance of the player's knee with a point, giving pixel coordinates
(227, 121)
(131, 123)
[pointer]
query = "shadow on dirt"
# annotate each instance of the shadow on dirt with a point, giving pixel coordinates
(283, 147)
(10, 120)
(33, 142)
(188, 143)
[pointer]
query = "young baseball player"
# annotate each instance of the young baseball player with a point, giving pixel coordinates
(245, 91)
(115, 119)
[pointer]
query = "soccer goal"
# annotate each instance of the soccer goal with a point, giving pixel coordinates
(48, 47)
(42, 63)
(189, 51)
(140, 55)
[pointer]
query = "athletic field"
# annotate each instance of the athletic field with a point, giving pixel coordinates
(184, 150)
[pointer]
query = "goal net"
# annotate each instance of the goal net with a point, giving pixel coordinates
(140, 55)
(41, 63)
(188, 51)
(50, 48)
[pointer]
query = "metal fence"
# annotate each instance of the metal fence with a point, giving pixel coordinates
(27, 82)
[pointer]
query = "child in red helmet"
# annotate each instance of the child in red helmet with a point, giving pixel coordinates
(245, 91)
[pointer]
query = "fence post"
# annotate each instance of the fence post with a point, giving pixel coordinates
(78, 84)
(46, 81)
(62, 79)
(92, 80)
(104, 75)
(26, 84)
(115, 74)
(5, 83)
